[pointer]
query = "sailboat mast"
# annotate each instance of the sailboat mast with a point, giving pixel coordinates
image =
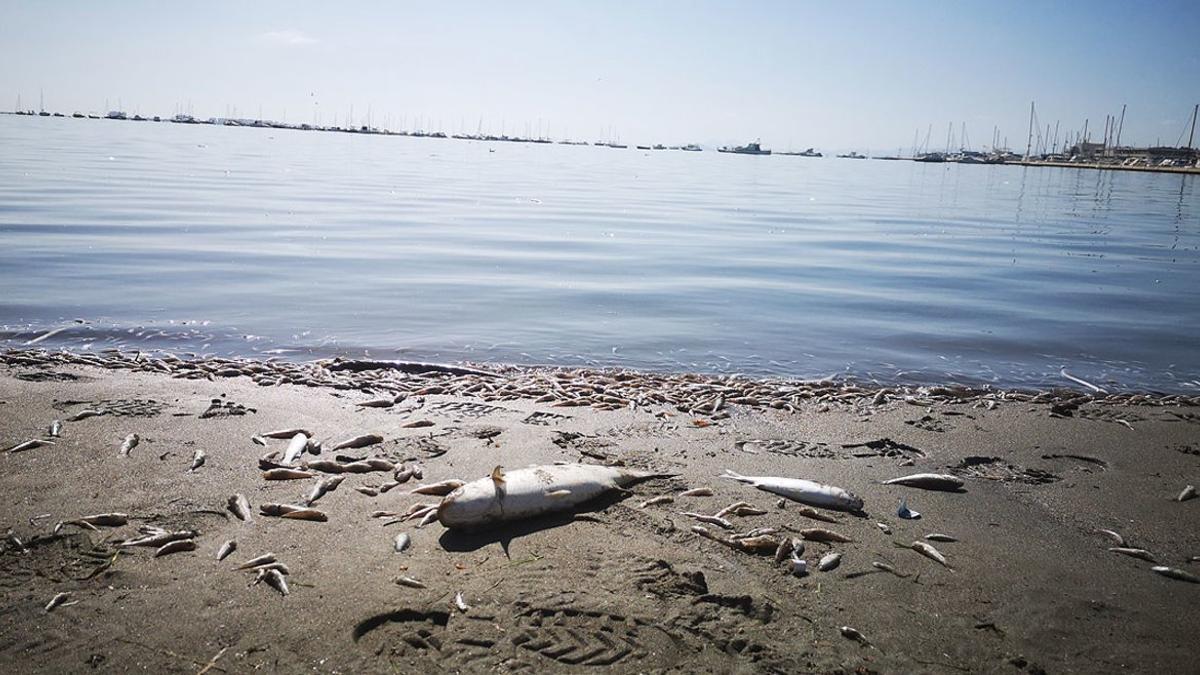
(1192, 135)
(1029, 143)
(1121, 125)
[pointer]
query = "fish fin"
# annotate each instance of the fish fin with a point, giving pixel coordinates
(498, 475)
(558, 493)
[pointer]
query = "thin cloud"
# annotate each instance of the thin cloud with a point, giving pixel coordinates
(287, 38)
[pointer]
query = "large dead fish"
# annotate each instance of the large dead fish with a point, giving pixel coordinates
(240, 507)
(358, 442)
(531, 492)
(804, 491)
(295, 448)
(929, 481)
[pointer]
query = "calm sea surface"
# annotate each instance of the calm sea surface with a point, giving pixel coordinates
(272, 242)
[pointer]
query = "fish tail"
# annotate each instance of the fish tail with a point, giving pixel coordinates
(735, 476)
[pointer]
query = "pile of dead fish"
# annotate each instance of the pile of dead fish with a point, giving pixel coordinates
(391, 382)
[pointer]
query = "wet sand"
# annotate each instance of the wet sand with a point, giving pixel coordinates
(1031, 586)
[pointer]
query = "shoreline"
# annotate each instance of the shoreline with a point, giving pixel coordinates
(1031, 584)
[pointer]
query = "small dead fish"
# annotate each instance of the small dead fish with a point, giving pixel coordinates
(889, 569)
(760, 544)
(798, 566)
(711, 520)
(810, 512)
(325, 466)
(783, 550)
(928, 551)
(402, 474)
(929, 481)
(286, 474)
(382, 514)
(159, 538)
(55, 428)
(380, 464)
(418, 424)
(274, 579)
(282, 568)
(1188, 493)
(29, 445)
(83, 415)
(730, 509)
(264, 559)
(176, 547)
(323, 487)
(851, 634)
(1139, 553)
(388, 486)
(439, 489)
(1115, 536)
(907, 513)
(240, 507)
(295, 448)
(940, 537)
(822, 534)
(460, 603)
(361, 466)
(401, 542)
(358, 442)
(226, 549)
(409, 581)
(697, 492)
(1177, 574)
(306, 514)
(259, 440)
(431, 516)
(366, 490)
(661, 499)
(286, 433)
(104, 519)
(376, 403)
(131, 442)
(278, 510)
(57, 600)
(197, 460)
(883, 527)
(829, 562)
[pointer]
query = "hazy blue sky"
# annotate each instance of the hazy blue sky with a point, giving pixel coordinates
(835, 75)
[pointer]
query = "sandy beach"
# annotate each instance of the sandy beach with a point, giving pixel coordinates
(1030, 584)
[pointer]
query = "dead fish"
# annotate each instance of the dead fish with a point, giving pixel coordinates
(929, 481)
(323, 487)
(295, 448)
(277, 510)
(377, 403)
(259, 440)
(307, 514)
(829, 562)
(822, 534)
(439, 489)
(883, 527)
(55, 428)
(361, 466)
(798, 566)
(1177, 574)
(286, 433)
(803, 491)
(928, 551)
(851, 634)
(661, 499)
(84, 414)
(810, 512)
(711, 520)
(176, 547)
(104, 519)
(730, 509)
(286, 474)
(131, 442)
(409, 581)
(889, 569)
(697, 492)
(783, 550)
(29, 445)
(401, 542)
(429, 517)
(159, 538)
(388, 486)
(1139, 553)
(380, 464)
(358, 442)
(57, 600)
(226, 550)
(197, 460)
(1188, 493)
(418, 424)
(367, 490)
(1115, 536)
(460, 603)
(905, 512)
(760, 544)
(274, 579)
(263, 559)
(525, 493)
(283, 569)
(402, 474)
(325, 466)
(240, 507)
(382, 514)
(940, 537)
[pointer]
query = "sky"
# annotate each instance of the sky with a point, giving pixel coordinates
(845, 75)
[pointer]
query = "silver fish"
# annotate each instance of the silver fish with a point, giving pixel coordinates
(929, 481)
(410, 582)
(197, 460)
(439, 489)
(803, 491)
(286, 474)
(429, 518)
(1140, 553)
(358, 442)
(460, 603)
(798, 566)
(711, 520)
(176, 547)
(822, 534)
(131, 442)
(829, 562)
(274, 579)
(1188, 493)
(323, 487)
(159, 538)
(889, 569)
(295, 448)
(1177, 574)
(240, 507)
(325, 466)
(783, 550)
(29, 445)
(226, 549)
(697, 492)
(258, 561)
(940, 537)
(401, 542)
(1115, 536)
(928, 551)
(57, 600)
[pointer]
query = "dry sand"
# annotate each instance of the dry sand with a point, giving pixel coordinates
(1033, 587)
